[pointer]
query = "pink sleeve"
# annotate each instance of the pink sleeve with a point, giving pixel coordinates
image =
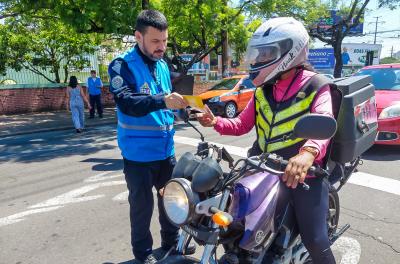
(323, 105)
(240, 125)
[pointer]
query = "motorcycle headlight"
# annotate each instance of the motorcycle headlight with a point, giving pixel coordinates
(179, 201)
(390, 112)
(215, 99)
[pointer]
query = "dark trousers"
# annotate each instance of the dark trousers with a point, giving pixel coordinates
(311, 209)
(95, 102)
(140, 178)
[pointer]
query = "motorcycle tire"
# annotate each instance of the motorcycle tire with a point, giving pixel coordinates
(334, 211)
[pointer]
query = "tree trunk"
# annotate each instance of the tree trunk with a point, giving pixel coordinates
(145, 4)
(337, 51)
(66, 73)
(56, 73)
(337, 72)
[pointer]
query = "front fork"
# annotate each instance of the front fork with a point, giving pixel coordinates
(207, 256)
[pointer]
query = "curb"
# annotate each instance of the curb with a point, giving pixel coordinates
(51, 129)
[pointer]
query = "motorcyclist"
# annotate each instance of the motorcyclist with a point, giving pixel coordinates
(277, 54)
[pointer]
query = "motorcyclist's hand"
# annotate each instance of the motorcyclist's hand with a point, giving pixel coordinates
(175, 101)
(296, 170)
(206, 119)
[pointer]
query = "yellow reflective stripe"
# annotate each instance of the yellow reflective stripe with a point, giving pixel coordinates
(296, 108)
(262, 105)
(284, 128)
(280, 145)
(261, 139)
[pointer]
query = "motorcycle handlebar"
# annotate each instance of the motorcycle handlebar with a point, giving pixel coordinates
(267, 160)
(312, 171)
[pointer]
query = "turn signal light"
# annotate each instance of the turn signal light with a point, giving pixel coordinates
(222, 219)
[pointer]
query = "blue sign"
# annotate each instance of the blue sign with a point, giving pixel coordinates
(325, 25)
(321, 58)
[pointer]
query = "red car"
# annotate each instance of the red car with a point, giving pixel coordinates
(386, 79)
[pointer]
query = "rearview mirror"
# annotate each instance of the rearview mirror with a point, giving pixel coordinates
(315, 126)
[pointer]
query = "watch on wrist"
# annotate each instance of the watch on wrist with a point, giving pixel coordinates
(311, 150)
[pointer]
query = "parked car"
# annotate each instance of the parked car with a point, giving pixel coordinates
(229, 96)
(386, 79)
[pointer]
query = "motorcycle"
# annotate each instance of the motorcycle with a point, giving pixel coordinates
(238, 209)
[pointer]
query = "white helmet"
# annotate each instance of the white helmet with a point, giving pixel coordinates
(278, 45)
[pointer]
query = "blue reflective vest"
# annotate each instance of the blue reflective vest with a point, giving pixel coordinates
(93, 86)
(147, 138)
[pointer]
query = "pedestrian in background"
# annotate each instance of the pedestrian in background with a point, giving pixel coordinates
(75, 97)
(94, 85)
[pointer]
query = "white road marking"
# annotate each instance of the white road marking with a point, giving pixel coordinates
(349, 248)
(358, 178)
(376, 182)
(238, 151)
(121, 197)
(74, 196)
(15, 218)
(77, 195)
(102, 177)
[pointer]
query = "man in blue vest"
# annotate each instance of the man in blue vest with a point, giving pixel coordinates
(140, 82)
(94, 85)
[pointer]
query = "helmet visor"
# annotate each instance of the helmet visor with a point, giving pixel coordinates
(260, 56)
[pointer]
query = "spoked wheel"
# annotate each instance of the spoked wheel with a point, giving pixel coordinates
(334, 211)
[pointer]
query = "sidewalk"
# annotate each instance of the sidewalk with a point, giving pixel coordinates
(49, 121)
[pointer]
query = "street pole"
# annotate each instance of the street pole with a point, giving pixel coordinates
(225, 46)
(391, 53)
(376, 28)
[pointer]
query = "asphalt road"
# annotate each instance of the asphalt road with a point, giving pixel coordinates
(63, 199)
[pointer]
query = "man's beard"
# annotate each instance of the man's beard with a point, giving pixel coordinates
(151, 55)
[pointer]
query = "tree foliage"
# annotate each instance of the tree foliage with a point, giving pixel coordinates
(352, 16)
(48, 48)
(195, 27)
(388, 60)
(106, 16)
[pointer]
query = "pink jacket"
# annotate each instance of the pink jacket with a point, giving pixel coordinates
(245, 121)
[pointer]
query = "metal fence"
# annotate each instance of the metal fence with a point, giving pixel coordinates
(98, 61)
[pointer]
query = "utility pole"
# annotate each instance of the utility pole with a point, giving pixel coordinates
(391, 53)
(376, 28)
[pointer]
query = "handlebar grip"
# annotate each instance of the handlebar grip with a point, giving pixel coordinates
(312, 171)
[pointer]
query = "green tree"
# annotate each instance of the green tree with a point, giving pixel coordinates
(352, 16)
(195, 27)
(45, 47)
(388, 60)
(106, 16)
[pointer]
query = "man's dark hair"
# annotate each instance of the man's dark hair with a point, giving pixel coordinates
(151, 18)
(73, 82)
(92, 71)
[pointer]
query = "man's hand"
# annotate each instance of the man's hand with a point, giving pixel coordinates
(206, 119)
(296, 170)
(175, 101)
